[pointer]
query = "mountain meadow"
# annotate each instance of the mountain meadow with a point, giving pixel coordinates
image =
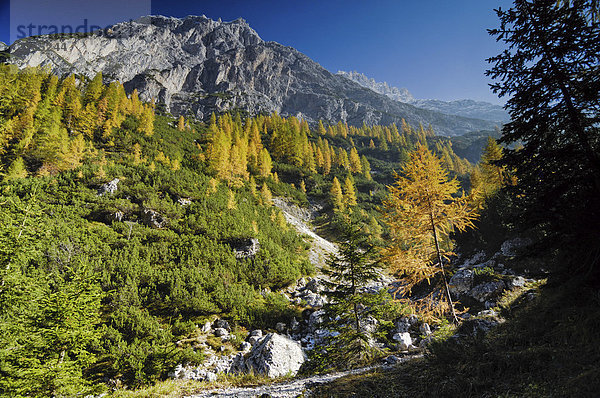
(215, 241)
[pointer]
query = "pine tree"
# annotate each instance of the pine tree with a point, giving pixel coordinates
(94, 89)
(231, 202)
(421, 211)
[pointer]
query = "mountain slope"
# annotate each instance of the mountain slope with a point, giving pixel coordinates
(197, 66)
(466, 107)
(395, 93)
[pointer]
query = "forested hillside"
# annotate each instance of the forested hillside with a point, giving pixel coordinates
(123, 228)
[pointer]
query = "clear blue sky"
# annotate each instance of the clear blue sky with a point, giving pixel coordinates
(435, 48)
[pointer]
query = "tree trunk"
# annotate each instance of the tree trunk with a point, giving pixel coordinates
(439, 256)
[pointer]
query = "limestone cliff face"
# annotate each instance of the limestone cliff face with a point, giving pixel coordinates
(196, 65)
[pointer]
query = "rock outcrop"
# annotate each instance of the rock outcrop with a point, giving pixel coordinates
(198, 66)
(245, 247)
(109, 188)
(273, 356)
(153, 219)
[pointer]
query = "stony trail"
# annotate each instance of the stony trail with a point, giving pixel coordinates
(290, 389)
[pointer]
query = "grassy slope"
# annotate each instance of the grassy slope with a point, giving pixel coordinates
(548, 347)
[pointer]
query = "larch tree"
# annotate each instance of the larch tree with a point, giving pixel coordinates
(355, 163)
(422, 209)
(492, 173)
(335, 194)
(349, 192)
(266, 195)
(366, 167)
(181, 123)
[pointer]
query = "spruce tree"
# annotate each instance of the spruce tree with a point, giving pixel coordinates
(549, 72)
(350, 309)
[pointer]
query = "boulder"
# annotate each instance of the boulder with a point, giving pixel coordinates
(516, 282)
(315, 320)
(257, 333)
(404, 340)
(369, 325)
(314, 300)
(222, 323)
(253, 339)
(461, 282)
(275, 356)
(487, 290)
(221, 332)
(476, 327)
(153, 219)
(245, 346)
(314, 285)
(210, 376)
(485, 313)
(405, 323)
(184, 201)
(108, 188)
(207, 327)
(294, 324)
(280, 327)
(245, 247)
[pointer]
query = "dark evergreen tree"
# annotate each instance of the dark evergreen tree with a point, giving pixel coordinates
(551, 71)
(351, 315)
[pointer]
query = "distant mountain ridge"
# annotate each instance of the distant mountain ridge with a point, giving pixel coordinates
(197, 66)
(395, 93)
(465, 107)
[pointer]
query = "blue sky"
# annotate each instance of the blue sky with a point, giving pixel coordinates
(435, 48)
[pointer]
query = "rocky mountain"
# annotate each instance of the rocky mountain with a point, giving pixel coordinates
(466, 107)
(197, 66)
(395, 93)
(3, 46)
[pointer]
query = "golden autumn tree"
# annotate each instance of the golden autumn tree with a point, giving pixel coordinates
(181, 123)
(422, 209)
(335, 194)
(266, 195)
(349, 192)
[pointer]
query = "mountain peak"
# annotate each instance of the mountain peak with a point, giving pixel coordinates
(197, 66)
(395, 93)
(464, 107)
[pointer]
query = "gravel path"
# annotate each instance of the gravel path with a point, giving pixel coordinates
(291, 389)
